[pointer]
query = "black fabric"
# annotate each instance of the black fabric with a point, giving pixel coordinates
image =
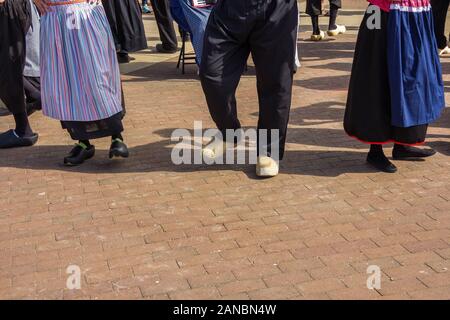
(314, 7)
(267, 30)
(125, 19)
(368, 111)
(164, 21)
(32, 86)
(440, 8)
(94, 129)
(15, 20)
(333, 15)
(315, 24)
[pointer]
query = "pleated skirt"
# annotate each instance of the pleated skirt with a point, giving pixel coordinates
(415, 76)
(79, 70)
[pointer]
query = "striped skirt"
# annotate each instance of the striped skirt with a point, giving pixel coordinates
(415, 77)
(79, 69)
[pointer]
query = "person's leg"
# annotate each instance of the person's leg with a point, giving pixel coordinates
(440, 8)
(333, 28)
(274, 61)
(334, 8)
(224, 58)
(118, 148)
(314, 10)
(166, 29)
(12, 62)
(378, 159)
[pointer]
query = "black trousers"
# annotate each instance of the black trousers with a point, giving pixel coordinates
(32, 87)
(164, 21)
(314, 7)
(266, 29)
(440, 8)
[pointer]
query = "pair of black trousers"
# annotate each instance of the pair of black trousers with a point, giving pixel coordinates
(164, 20)
(15, 21)
(32, 87)
(440, 8)
(314, 7)
(268, 30)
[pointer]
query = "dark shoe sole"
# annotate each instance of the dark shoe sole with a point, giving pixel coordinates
(21, 142)
(117, 154)
(380, 168)
(70, 164)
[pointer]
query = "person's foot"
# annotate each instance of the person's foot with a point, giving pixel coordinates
(379, 161)
(401, 152)
(124, 58)
(161, 49)
(266, 167)
(338, 30)
(10, 139)
(118, 149)
(146, 9)
(444, 51)
(79, 154)
(318, 37)
(216, 148)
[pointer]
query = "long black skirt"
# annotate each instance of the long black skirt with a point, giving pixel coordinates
(125, 19)
(368, 111)
(15, 20)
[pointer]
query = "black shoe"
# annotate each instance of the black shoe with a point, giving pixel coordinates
(10, 139)
(118, 149)
(160, 48)
(124, 58)
(79, 154)
(401, 152)
(380, 162)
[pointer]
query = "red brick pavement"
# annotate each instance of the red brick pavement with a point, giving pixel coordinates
(145, 228)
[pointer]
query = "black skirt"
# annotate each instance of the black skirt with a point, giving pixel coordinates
(125, 19)
(368, 111)
(15, 20)
(94, 129)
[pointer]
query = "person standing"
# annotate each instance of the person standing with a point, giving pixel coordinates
(440, 8)
(314, 10)
(396, 88)
(19, 68)
(267, 30)
(125, 20)
(164, 20)
(80, 77)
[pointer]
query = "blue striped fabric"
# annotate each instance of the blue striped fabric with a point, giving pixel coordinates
(80, 75)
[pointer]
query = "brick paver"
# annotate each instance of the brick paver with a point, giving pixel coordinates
(145, 228)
